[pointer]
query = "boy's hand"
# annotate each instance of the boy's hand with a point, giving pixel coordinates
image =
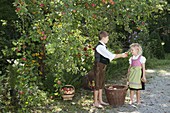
(124, 55)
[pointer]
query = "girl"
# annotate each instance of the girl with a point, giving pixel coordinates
(136, 72)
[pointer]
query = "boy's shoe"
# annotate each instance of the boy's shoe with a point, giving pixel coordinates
(105, 104)
(98, 106)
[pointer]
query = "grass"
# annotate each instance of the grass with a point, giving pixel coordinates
(81, 103)
(158, 63)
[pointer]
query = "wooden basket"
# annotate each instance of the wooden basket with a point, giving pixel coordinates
(67, 92)
(116, 94)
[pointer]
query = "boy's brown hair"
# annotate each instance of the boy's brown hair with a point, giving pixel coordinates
(103, 34)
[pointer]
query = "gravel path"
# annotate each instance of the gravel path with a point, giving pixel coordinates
(156, 97)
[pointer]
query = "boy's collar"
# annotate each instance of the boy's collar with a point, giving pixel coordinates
(102, 43)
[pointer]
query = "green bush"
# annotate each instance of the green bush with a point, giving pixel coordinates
(55, 44)
(155, 45)
(166, 41)
(154, 62)
(117, 68)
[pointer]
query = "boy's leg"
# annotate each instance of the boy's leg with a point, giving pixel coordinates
(131, 96)
(96, 99)
(138, 96)
(102, 83)
(96, 94)
(97, 85)
(100, 98)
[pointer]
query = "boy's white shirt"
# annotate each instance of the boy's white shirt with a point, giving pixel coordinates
(101, 49)
(142, 59)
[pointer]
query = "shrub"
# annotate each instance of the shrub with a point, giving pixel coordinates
(155, 45)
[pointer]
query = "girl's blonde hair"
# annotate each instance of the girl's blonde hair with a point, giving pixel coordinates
(140, 51)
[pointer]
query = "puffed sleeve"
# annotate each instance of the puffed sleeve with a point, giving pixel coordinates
(130, 60)
(142, 59)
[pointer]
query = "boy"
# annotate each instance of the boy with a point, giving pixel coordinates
(102, 58)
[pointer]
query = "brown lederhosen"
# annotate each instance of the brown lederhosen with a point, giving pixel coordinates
(99, 75)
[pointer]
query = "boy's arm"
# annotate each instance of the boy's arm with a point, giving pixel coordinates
(123, 55)
(106, 53)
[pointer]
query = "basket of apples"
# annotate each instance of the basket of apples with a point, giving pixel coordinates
(67, 92)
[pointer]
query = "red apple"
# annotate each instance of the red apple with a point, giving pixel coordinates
(42, 38)
(45, 37)
(143, 23)
(93, 5)
(94, 16)
(24, 59)
(74, 11)
(126, 54)
(63, 13)
(112, 2)
(104, 1)
(66, 5)
(43, 32)
(21, 92)
(17, 9)
(85, 49)
(58, 82)
(51, 97)
(87, 6)
(79, 55)
(17, 50)
(138, 28)
(86, 55)
(41, 5)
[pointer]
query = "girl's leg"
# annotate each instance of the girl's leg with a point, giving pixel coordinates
(138, 96)
(131, 96)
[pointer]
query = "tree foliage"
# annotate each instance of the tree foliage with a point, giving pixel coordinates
(55, 41)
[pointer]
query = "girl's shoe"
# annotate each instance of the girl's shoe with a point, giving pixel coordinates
(138, 103)
(130, 102)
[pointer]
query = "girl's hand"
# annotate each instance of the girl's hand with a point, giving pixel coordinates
(143, 79)
(128, 72)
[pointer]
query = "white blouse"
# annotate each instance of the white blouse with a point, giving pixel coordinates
(142, 59)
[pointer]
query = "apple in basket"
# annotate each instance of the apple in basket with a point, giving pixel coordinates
(67, 90)
(111, 88)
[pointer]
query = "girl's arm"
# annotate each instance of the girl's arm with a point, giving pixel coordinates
(144, 76)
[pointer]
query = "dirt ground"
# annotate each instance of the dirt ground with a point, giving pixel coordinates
(155, 98)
